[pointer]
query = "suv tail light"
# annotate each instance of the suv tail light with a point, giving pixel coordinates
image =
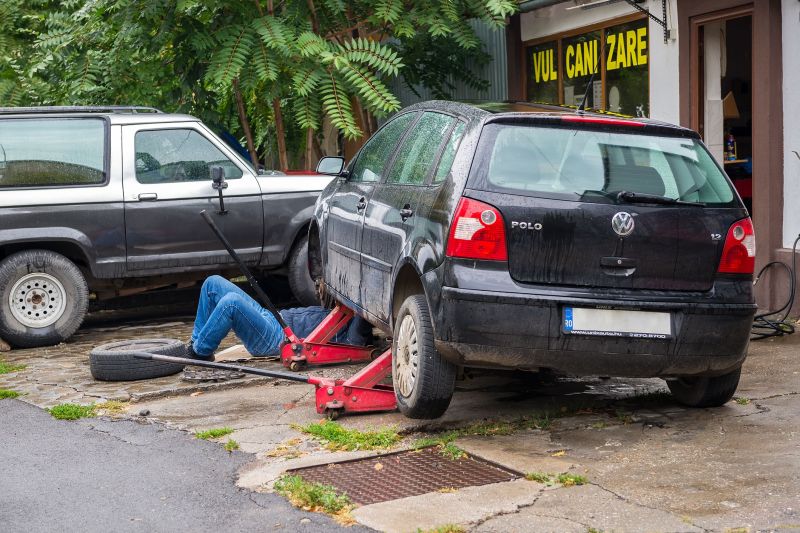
(477, 232)
(739, 252)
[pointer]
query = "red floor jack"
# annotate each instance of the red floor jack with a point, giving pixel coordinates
(363, 392)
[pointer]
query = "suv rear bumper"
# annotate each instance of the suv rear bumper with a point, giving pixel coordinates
(523, 330)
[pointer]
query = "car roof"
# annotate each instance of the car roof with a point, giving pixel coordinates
(491, 111)
(114, 114)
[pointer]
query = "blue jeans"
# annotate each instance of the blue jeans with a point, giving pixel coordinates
(224, 307)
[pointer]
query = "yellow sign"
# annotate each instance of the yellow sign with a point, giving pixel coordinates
(581, 59)
(626, 49)
(544, 66)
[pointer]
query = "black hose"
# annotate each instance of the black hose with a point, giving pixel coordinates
(767, 324)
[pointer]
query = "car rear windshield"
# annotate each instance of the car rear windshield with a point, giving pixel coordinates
(594, 166)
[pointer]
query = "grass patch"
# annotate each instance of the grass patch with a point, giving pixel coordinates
(231, 445)
(742, 400)
(447, 528)
(72, 411)
(213, 433)
(623, 417)
(452, 452)
(315, 497)
(571, 480)
(112, 407)
(341, 438)
(565, 479)
(599, 425)
(6, 368)
(10, 394)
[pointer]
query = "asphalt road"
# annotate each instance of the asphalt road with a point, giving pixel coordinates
(101, 475)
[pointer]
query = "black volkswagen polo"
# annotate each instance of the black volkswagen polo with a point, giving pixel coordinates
(533, 237)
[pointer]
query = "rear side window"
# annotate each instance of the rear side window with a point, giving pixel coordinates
(594, 166)
(418, 153)
(374, 156)
(170, 156)
(449, 153)
(52, 152)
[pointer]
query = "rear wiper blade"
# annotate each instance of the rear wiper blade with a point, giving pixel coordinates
(634, 197)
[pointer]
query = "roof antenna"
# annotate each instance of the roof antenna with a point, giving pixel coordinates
(589, 85)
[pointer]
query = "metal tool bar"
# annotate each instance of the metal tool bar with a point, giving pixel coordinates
(291, 376)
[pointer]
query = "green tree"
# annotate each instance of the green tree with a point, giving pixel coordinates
(273, 71)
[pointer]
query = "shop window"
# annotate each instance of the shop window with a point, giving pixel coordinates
(580, 61)
(627, 80)
(543, 72)
(559, 69)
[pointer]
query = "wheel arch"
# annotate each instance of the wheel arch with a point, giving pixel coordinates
(407, 282)
(68, 248)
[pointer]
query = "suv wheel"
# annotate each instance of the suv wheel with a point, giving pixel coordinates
(705, 391)
(423, 380)
(300, 281)
(43, 298)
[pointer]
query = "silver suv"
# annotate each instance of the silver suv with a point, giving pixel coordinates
(99, 202)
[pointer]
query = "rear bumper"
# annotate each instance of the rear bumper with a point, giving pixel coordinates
(524, 330)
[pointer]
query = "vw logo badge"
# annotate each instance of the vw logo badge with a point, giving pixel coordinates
(622, 223)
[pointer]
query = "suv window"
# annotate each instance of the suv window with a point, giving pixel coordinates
(418, 153)
(375, 154)
(170, 156)
(593, 166)
(53, 151)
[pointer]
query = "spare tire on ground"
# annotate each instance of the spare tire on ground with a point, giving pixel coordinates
(115, 361)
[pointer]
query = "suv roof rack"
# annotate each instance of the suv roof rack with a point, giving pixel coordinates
(77, 109)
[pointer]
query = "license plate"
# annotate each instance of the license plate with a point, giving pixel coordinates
(617, 323)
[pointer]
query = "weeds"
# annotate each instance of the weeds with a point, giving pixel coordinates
(112, 407)
(6, 368)
(623, 417)
(315, 497)
(452, 452)
(339, 438)
(287, 450)
(213, 433)
(231, 445)
(72, 411)
(565, 479)
(741, 400)
(8, 394)
(447, 528)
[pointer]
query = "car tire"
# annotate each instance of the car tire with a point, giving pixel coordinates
(115, 361)
(423, 380)
(300, 281)
(43, 298)
(703, 391)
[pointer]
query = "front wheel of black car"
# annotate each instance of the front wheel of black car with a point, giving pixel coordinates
(300, 281)
(43, 298)
(705, 391)
(423, 380)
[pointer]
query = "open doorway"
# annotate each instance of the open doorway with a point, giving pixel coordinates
(725, 112)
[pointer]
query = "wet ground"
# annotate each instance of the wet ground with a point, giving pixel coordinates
(650, 464)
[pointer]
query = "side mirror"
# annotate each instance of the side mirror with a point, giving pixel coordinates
(331, 165)
(218, 178)
(218, 183)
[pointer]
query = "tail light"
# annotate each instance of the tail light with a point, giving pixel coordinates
(477, 232)
(739, 252)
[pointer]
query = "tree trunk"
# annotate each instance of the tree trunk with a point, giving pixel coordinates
(248, 133)
(310, 149)
(280, 134)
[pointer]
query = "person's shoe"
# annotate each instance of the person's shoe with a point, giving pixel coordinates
(191, 354)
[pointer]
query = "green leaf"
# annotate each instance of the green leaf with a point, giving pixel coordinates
(336, 103)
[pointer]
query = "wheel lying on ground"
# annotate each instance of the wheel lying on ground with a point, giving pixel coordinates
(115, 361)
(423, 380)
(705, 391)
(43, 298)
(300, 280)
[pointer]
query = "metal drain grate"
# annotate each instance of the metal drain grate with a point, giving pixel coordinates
(404, 474)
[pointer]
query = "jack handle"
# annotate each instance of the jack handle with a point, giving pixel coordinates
(250, 279)
(291, 376)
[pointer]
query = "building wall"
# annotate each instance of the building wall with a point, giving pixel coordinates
(790, 16)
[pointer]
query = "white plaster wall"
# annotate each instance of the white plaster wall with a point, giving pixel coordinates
(664, 100)
(790, 16)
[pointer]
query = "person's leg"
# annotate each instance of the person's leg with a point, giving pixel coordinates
(258, 330)
(213, 290)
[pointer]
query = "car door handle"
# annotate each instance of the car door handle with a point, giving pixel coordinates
(148, 196)
(362, 204)
(406, 212)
